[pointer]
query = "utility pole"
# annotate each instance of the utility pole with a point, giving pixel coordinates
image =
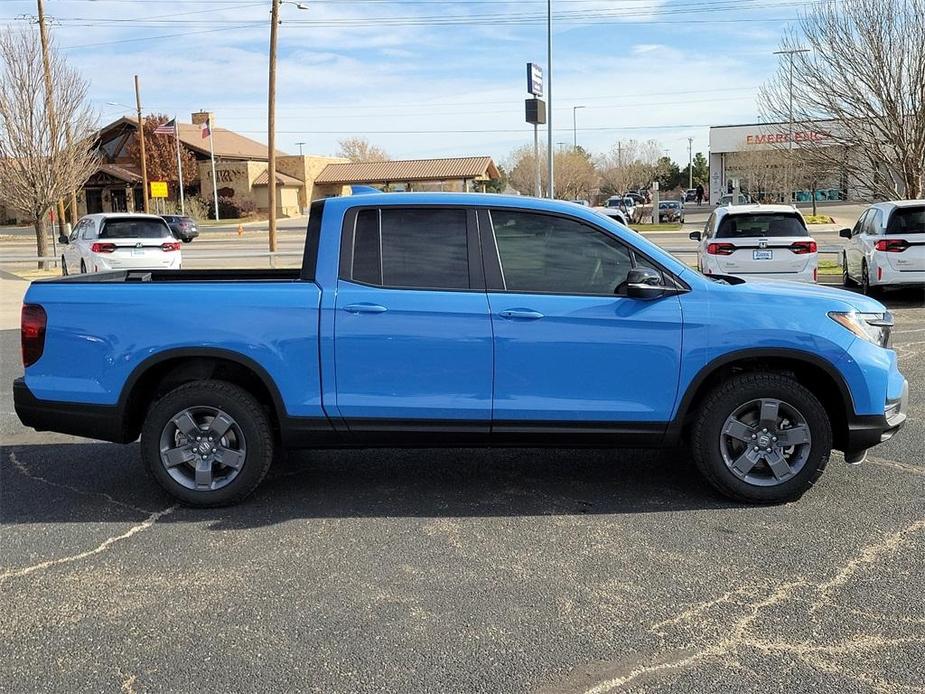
(790, 53)
(300, 147)
(141, 139)
(575, 126)
(271, 127)
(49, 101)
(551, 188)
(690, 162)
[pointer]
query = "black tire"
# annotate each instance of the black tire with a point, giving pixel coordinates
(63, 267)
(866, 288)
(846, 280)
(249, 417)
(734, 393)
(83, 268)
(186, 240)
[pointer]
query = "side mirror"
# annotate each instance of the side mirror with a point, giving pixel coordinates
(644, 283)
(694, 236)
(845, 233)
(62, 239)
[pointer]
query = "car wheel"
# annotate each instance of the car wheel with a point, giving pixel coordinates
(866, 286)
(762, 438)
(846, 280)
(186, 240)
(63, 267)
(83, 267)
(208, 443)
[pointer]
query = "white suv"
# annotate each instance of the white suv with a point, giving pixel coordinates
(759, 241)
(120, 241)
(886, 247)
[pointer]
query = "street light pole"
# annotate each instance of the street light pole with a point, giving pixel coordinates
(575, 126)
(271, 119)
(300, 147)
(271, 128)
(790, 53)
(551, 188)
(690, 162)
(141, 139)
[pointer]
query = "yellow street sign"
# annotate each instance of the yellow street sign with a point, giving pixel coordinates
(158, 189)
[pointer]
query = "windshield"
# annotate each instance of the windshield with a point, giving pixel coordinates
(761, 225)
(134, 229)
(667, 205)
(907, 220)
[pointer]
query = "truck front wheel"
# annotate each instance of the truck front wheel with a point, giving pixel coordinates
(208, 443)
(761, 438)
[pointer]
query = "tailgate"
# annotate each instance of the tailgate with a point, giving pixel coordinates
(757, 256)
(911, 258)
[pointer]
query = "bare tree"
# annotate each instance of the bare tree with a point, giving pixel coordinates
(359, 149)
(575, 173)
(45, 149)
(858, 94)
(628, 165)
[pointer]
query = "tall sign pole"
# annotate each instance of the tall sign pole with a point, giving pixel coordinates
(271, 128)
(790, 53)
(690, 162)
(141, 138)
(536, 114)
(549, 152)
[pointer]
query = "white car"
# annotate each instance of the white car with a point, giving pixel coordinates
(758, 241)
(614, 213)
(120, 241)
(886, 247)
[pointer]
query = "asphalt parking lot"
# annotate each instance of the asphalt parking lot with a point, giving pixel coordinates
(462, 571)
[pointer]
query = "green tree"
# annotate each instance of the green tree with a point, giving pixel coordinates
(701, 171)
(667, 174)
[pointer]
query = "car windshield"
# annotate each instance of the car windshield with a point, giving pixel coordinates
(134, 229)
(667, 205)
(769, 225)
(907, 220)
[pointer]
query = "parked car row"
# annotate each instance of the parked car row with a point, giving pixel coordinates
(886, 247)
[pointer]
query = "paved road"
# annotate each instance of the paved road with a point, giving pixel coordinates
(461, 571)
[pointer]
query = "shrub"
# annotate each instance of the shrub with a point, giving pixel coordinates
(247, 208)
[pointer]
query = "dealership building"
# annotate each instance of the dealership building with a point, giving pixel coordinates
(755, 154)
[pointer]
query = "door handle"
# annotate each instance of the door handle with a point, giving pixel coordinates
(521, 314)
(365, 308)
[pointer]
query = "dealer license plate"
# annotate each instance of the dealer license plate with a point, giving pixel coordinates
(141, 251)
(763, 254)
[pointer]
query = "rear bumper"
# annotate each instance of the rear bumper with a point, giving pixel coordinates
(866, 431)
(103, 422)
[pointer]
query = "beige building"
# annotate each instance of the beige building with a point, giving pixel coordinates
(241, 173)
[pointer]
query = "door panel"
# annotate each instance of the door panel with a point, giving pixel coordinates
(587, 358)
(405, 354)
(570, 346)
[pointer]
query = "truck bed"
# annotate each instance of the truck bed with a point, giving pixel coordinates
(217, 275)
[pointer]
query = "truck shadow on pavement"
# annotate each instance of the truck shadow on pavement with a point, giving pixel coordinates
(95, 482)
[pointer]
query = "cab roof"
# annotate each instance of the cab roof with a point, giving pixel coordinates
(756, 208)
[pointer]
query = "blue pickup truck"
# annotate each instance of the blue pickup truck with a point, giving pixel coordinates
(436, 320)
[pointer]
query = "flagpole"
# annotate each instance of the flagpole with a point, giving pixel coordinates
(214, 182)
(176, 136)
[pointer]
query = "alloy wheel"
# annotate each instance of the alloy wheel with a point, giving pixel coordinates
(202, 448)
(765, 442)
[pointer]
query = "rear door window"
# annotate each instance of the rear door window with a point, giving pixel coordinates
(743, 226)
(907, 220)
(134, 229)
(872, 224)
(411, 248)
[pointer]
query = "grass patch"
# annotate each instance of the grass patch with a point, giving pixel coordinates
(818, 219)
(655, 227)
(829, 267)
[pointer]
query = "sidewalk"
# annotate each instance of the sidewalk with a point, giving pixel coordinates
(11, 293)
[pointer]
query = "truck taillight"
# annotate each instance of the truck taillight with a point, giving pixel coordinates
(32, 330)
(103, 247)
(891, 245)
(175, 246)
(721, 249)
(803, 247)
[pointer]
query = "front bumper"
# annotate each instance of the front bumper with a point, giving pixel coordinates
(865, 431)
(103, 422)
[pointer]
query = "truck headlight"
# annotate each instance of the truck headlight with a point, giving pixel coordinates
(873, 327)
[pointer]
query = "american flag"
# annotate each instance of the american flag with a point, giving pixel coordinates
(168, 128)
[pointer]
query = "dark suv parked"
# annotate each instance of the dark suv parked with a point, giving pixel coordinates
(184, 228)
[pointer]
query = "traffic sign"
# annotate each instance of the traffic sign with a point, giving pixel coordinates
(158, 189)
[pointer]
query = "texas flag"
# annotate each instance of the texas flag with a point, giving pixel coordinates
(206, 130)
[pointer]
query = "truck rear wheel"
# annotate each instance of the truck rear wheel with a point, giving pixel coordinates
(208, 443)
(762, 438)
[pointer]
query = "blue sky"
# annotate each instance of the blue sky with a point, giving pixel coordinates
(427, 78)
